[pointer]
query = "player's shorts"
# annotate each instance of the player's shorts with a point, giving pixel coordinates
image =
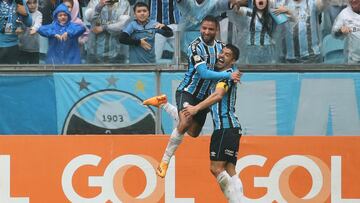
(182, 97)
(224, 145)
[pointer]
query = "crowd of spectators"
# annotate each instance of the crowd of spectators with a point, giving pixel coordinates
(144, 31)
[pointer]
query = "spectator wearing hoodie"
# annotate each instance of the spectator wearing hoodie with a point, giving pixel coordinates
(63, 38)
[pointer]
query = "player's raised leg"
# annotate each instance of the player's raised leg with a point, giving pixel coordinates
(162, 102)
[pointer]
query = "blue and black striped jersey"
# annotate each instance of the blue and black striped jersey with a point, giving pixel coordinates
(199, 52)
(223, 112)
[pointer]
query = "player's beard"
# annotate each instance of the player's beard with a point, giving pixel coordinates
(208, 39)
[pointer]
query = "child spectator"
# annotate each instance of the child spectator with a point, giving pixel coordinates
(347, 25)
(140, 35)
(63, 38)
(29, 40)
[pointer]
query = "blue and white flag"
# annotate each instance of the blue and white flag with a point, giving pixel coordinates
(104, 103)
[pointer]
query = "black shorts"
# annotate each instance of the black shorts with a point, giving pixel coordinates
(224, 145)
(182, 97)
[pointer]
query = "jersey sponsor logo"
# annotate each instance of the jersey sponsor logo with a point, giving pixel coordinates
(197, 58)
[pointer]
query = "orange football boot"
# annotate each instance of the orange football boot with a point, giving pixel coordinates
(156, 101)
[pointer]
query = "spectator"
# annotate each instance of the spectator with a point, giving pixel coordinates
(10, 13)
(302, 42)
(47, 7)
(63, 38)
(140, 35)
(29, 40)
(260, 45)
(107, 18)
(73, 6)
(347, 25)
(329, 16)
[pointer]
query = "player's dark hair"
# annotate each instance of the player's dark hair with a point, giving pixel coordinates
(141, 4)
(210, 18)
(235, 51)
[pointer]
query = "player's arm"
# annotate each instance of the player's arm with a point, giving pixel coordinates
(205, 73)
(216, 96)
(196, 59)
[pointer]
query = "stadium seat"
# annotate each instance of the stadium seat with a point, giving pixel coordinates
(333, 50)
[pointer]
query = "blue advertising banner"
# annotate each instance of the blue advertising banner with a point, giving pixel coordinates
(109, 102)
(104, 103)
(288, 103)
(27, 104)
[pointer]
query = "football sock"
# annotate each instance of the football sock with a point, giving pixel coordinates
(172, 110)
(174, 141)
(223, 180)
(236, 189)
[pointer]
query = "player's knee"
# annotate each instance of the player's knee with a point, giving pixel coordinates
(182, 128)
(192, 134)
(183, 125)
(216, 170)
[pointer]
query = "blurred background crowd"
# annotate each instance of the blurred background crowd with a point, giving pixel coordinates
(159, 31)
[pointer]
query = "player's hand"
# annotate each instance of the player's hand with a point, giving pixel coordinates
(345, 30)
(159, 26)
(236, 76)
(190, 110)
(144, 44)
